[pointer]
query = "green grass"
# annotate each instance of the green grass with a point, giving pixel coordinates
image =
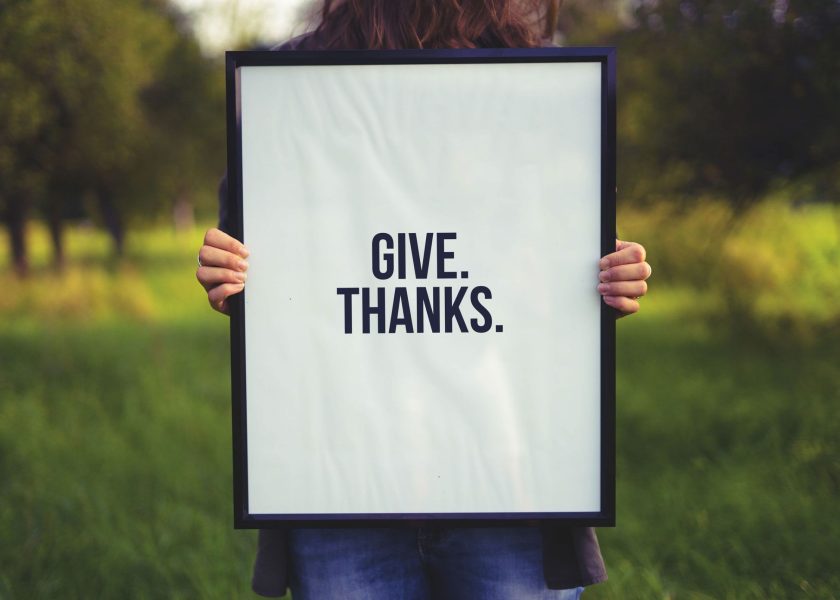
(115, 448)
(115, 444)
(115, 454)
(728, 465)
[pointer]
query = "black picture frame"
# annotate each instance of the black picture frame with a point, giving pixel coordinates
(606, 58)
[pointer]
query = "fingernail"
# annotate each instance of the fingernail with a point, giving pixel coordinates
(604, 263)
(241, 276)
(604, 276)
(242, 265)
(603, 287)
(243, 251)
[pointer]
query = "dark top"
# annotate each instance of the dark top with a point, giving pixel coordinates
(571, 555)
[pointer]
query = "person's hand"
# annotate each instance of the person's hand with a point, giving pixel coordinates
(623, 277)
(222, 268)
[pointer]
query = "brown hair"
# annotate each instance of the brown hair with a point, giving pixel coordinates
(393, 24)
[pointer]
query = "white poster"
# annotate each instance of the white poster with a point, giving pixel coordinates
(421, 320)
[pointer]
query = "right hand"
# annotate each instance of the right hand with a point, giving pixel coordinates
(223, 268)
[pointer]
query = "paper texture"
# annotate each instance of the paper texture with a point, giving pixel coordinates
(507, 158)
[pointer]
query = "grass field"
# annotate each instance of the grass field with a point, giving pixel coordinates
(115, 442)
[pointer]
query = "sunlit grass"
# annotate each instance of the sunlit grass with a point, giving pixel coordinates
(153, 282)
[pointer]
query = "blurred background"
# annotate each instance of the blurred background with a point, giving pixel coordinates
(114, 383)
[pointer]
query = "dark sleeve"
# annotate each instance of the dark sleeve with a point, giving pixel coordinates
(571, 557)
(270, 568)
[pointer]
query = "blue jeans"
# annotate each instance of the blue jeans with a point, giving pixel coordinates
(420, 564)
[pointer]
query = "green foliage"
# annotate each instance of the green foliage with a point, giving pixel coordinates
(185, 148)
(772, 270)
(110, 102)
(682, 241)
(780, 268)
(725, 97)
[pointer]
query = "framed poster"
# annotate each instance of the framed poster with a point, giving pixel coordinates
(421, 336)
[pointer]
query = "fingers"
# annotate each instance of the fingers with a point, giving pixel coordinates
(626, 253)
(220, 266)
(623, 277)
(218, 295)
(211, 256)
(631, 289)
(223, 267)
(621, 244)
(632, 272)
(212, 276)
(623, 304)
(216, 238)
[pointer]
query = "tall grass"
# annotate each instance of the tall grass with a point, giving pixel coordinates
(728, 465)
(115, 428)
(115, 434)
(115, 464)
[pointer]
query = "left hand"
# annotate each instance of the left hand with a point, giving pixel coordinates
(623, 277)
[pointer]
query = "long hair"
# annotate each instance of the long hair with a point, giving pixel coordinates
(394, 24)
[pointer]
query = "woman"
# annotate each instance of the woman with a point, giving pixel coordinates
(428, 561)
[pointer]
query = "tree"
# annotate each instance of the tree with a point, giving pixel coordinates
(84, 124)
(722, 96)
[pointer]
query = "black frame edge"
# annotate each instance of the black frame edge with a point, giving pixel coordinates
(236, 303)
(608, 315)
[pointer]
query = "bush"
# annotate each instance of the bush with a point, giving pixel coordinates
(776, 267)
(682, 241)
(780, 268)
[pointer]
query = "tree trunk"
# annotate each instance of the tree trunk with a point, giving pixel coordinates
(113, 222)
(16, 223)
(183, 215)
(56, 226)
